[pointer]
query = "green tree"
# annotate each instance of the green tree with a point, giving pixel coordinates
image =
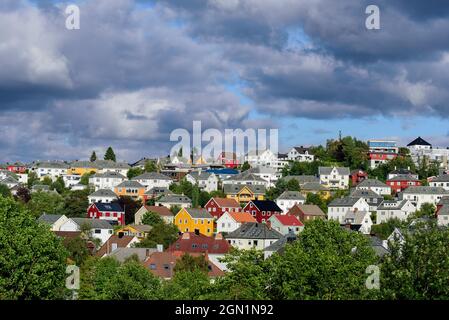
(32, 179)
(417, 268)
(93, 157)
(23, 194)
(134, 172)
(32, 258)
(130, 206)
(59, 185)
(4, 191)
(77, 248)
(316, 199)
(161, 233)
(327, 262)
(195, 196)
(245, 166)
(384, 230)
(85, 178)
(110, 155)
(45, 202)
(190, 263)
(187, 285)
(47, 181)
(293, 185)
(427, 210)
(151, 218)
(150, 166)
(94, 276)
(76, 203)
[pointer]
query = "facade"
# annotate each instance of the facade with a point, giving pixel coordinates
(231, 221)
(114, 243)
(288, 199)
(71, 180)
(131, 188)
(162, 211)
(373, 199)
(16, 167)
(100, 229)
(253, 236)
(306, 212)
(338, 208)
(357, 176)
(423, 194)
(376, 186)
(139, 231)
(244, 193)
(420, 149)
(191, 242)
(262, 210)
(300, 154)
(108, 180)
(247, 178)
(440, 181)
(152, 180)
(171, 200)
(334, 177)
(268, 174)
(400, 182)
(218, 206)
(111, 212)
(53, 170)
(359, 221)
(103, 196)
(265, 158)
(394, 209)
(206, 181)
(195, 220)
(381, 151)
(286, 224)
(55, 221)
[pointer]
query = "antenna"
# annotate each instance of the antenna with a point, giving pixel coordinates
(339, 135)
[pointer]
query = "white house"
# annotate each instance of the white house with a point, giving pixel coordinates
(55, 221)
(265, 158)
(153, 180)
(253, 235)
(374, 185)
(71, 180)
(288, 199)
(373, 199)
(418, 195)
(112, 166)
(53, 170)
(206, 181)
(359, 221)
(10, 182)
(171, 200)
(394, 209)
(300, 154)
(107, 180)
(102, 196)
(286, 224)
(440, 181)
(334, 177)
(338, 208)
(231, 221)
(266, 173)
(246, 178)
(100, 229)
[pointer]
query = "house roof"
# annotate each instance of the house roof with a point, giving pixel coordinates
(291, 195)
(49, 218)
(197, 175)
(307, 209)
(302, 179)
(392, 205)
(302, 150)
(246, 176)
(94, 223)
(158, 191)
(266, 205)
(52, 165)
(328, 170)
(372, 183)
(242, 217)
(103, 193)
(152, 176)
(174, 198)
(403, 177)
(130, 184)
(377, 245)
(343, 202)
(140, 227)
(425, 190)
(419, 142)
(280, 244)
(109, 175)
(254, 230)
(236, 188)
(314, 186)
(226, 202)
(121, 254)
(110, 207)
(357, 216)
(366, 194)
(444, 200)
(441, 178)
(120, 241)
(191, 242)
(401, 171)
(287, 220)
(198, 213)
(9, 180)
(160, 210)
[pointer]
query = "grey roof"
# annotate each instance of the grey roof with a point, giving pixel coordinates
(130, 184)
(377, 245)
(261, 170)
(9, 180)
(200, 213)
(152, 176)
(291, 195)
(121, 254)
(280, 244)
(235, 188)
(109, 164)
(356, 216)
(302, 150)
(313, 186)
(175, 198)
(372, 183)
(302, 179)
(52, 165)
(246, 176)
(444, 211)
(444, 200)
(366, 194)
(343, 202)
(94, 223)
(103, 193)
(110, 175)
(40, 187)
(254, 230)
(403, 177)
(328, 170)
(49, 218)
(200, 175)
(425, 190)
(441, 178)
(158, 191)
(392, 205)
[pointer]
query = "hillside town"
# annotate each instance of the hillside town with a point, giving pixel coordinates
(164, 211)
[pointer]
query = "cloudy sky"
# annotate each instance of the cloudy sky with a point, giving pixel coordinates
(137, 69)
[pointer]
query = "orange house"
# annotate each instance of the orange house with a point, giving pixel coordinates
(131, 189)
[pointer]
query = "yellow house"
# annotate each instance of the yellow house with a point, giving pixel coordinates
(82, 167)
(192, 220)
(244, 193)
(131, 188)
(139, 231)
(316, 188)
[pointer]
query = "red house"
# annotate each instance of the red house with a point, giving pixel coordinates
(16, 168)
(358, 176)
(191, 242)
(112, 212)
(262, 210)
(402, 181)
(228, 159)
(217, 206)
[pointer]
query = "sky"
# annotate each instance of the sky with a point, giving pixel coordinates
(138, 69)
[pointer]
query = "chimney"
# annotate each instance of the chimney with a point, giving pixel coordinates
(197, 232)
(218, 236)
(120, 235)
(185, 236)
(160, 248)
(114, 246)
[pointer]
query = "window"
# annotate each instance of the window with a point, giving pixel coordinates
(97, 231)
(152, 266)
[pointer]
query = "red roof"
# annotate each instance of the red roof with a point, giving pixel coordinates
(288, 220)
(227, 202)
(191, 243)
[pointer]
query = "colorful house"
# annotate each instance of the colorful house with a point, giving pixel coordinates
(82, 167)
(401, 182)
(228, 159)
(131, 189)
(218, 206)
(286, 224)
(111, 212)
(244, 193)
(262, 210)
(140, 231)
(195, 220)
